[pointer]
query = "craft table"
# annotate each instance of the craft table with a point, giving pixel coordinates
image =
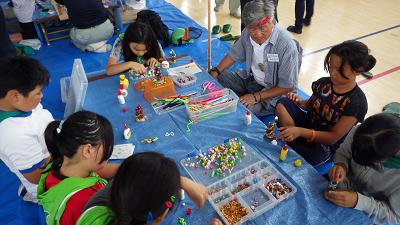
(42, 31)
(307, 206)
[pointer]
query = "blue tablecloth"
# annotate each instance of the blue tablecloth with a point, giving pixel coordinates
(307, 206)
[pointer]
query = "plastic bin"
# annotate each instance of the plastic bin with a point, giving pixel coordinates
(152, 92)
(73, 89)
(183, 80)
(212, 105)
(258, 174)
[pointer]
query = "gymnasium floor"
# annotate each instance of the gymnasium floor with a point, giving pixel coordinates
(375, 23)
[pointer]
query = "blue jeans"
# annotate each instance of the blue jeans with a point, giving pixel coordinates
(300, 7)
(242, 87)
(83, 37)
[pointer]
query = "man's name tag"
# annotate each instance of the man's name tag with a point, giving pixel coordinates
(272, 57)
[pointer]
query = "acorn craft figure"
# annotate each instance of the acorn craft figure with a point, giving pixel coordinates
(172, 55)
(158, 79)
(140, 117)
(332, 186)
(269, 132)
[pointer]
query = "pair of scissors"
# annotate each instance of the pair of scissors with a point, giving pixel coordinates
(210, 86)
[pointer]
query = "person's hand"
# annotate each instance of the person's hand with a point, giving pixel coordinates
(337, 172)
(197, 192)
(289, 133)
(247, 100)
(137, 67)
(216, 221)
(295, 98)
(344, 198)
(151, 62)
(214, 75)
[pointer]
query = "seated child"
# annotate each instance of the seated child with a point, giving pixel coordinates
(143, 191)
(336, 105)
(23, 120)
(79, 146)
(130, 10)
(139, 46)
(367, 167)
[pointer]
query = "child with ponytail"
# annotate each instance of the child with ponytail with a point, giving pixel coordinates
(336, 105)
(79, 146)
(145, 188)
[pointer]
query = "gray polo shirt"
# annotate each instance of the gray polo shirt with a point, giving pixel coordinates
(283, 73)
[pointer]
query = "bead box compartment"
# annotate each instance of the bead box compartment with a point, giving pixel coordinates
(221, 190)
(198, 174)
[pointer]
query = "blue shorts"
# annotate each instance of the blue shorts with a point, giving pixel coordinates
(314, 153)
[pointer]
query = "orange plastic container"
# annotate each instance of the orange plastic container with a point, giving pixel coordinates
(151, 91)
(141, 84)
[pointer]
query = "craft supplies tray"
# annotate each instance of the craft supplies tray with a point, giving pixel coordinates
(177, 102)
(212, 105)
(250, 187)
(182, 79)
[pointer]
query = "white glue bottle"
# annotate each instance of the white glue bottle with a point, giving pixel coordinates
(124, 92)
(121, 98)
(247, 118)
(165, 63)
(127, 132)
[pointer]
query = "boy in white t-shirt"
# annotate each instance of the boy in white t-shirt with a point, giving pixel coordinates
(130, 10)
(23, 120)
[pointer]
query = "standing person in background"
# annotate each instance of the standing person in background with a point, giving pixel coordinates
(130, 10)
(23, 10)
(6, 46)
(300, 7)
(233, 7)
(91, 28)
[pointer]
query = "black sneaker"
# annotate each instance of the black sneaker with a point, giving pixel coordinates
(307, 23)
(295, 30)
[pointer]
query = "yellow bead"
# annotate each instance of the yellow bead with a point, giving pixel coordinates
(297, 163)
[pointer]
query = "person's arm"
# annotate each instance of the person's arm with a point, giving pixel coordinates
(325, 137)
(197, 192)
(380, 211)
(35, 175)
(114, 68)
(274, 92)
(109, 170)
(226, 62)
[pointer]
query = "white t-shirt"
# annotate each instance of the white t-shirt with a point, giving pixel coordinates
(136, 4)
(23, 10)
(22, 145)
(258, 57)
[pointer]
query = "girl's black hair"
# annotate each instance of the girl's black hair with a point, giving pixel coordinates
(376, 140)
(140, 33)
(144, 183)
(354, 53)
(78, 129)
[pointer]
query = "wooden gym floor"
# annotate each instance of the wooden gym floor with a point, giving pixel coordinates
(375, 23)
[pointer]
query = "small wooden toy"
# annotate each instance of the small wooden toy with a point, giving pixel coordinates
(269, 132)
(172, 55)
(140, 117)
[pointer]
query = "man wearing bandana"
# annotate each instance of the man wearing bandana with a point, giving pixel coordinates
(273, 58)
